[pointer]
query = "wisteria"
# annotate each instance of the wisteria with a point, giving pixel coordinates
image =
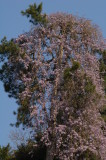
(57, 67)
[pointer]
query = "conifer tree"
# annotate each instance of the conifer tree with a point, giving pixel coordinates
(34, 12)
(54, 74)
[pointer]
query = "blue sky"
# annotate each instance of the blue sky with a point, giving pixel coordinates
(12, 24)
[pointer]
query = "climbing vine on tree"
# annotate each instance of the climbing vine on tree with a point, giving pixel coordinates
(54, 74)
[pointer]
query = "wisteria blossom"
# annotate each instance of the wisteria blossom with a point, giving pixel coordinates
(58, 70)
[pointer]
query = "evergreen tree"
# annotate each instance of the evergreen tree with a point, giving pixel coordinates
(5, 153)
(54, 74)
(34, 12)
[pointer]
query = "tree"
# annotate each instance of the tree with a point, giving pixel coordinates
(30, 152)
(103, 75)
(7, 49)
(5, 153)
(34, 12)
(55, 73)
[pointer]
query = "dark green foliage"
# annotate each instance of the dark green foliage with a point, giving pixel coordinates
(5, 153)
(67, 71)
(34, 12)
(75, 66)
(30, 152)
(89, 87)
(23, 116)
(13, 87)
(103, 75)
(59, 117)
(24, 152)
(67, 74)
(103, 68)
(103, 113)
(79, 88)
(7, 48)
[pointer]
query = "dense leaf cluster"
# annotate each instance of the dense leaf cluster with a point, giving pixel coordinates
(34, 13)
